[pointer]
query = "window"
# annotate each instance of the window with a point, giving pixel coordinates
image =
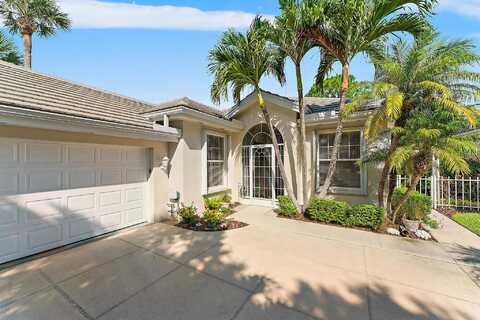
(215, 161)
(348, 175)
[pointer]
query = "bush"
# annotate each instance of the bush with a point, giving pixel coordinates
(188, 214)
(327, 210)
(226, 198)
(365, 215)
(286, 208)
(226, 211)
(212, 203)
(213, 218)
(417, 206)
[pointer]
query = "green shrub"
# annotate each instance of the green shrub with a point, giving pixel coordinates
(365, 215)
(214, 203)
(431, 222)
(226, 198)
(188, 214)
(213, 218)
(226, 211)
(286, 207)
(327, 210)
(417, 206)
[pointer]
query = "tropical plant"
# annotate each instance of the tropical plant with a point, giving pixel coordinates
(431, 132)
(188, 214)
(213, 218)
(416, 207)
(287, 35)
(408, 75)
(239, 61)
(286, 208)
(27, 17)
(331, 87)
(347, 28)
(8, 50)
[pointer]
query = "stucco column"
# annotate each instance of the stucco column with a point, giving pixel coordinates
(159, 184)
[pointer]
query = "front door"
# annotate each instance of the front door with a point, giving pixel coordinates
(261, 177)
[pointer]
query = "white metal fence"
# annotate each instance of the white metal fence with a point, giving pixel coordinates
(462, 193)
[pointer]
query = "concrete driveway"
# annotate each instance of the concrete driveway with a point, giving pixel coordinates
(273, 269)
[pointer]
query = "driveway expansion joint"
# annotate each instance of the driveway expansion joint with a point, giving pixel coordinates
(69, 299)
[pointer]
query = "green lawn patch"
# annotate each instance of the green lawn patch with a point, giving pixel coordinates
(471, 221)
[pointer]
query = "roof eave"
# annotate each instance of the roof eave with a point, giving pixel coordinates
(47, 120)
(188, 114)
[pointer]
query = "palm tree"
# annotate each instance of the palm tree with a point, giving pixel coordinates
(240, 61)
(430, 132)
(8, 51)
(287, 35)
(27, 17)
(347, 28)
(407, 74)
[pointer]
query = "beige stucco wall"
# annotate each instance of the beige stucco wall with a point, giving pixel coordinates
(158, 178)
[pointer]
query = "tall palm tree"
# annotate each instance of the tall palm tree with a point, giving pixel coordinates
(347, 28)
(430, 132)
(8, 50)
(240, 61)
(409, 73)
(27, 17)
(287, 35)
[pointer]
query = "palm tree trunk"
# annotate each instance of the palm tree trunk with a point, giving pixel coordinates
(302, 138)
(268, 120)
(413, 185)
(338, 133)
(27, 50)
(386, 171)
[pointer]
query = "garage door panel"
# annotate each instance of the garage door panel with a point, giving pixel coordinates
(79, 154)
(52, 194)
(84, 227)
(10, 246)
(9, 215)
(81, 178)
(133, 215)
(110, 198)
(43, 153)
(135, 175)
(44, 237)
(43, 211)
(110, 176)
(110, 220)
(80, 202)
(8, 153)
(43, 180)
(9, 182)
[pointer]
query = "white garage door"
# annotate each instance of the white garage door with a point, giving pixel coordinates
(52, 194)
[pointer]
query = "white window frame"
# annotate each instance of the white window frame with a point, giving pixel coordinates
(363, 190)
(205, 189)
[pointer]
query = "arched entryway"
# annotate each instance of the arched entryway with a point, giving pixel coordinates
(261, 179)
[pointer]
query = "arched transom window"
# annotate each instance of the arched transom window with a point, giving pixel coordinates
(260, 134)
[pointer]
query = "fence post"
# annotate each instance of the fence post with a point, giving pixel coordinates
(435, 180)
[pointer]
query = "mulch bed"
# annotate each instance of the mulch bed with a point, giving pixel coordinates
(381, 230)
(229, 224)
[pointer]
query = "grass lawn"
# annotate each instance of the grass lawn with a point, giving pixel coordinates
(471, 221)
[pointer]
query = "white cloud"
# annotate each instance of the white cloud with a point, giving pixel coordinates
(101, 14)
(469, 8)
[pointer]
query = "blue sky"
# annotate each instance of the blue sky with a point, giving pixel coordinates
(155, 53)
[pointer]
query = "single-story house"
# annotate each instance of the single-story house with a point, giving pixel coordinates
(77, 162)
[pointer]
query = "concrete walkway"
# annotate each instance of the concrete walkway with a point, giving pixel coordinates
(274, 269)
(462, 244)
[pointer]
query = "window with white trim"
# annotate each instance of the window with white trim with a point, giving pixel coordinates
(215, 161)
(348, 175)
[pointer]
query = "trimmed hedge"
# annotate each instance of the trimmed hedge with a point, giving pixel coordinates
(286, 208)
(365, 215)
(417, 206)
(325, 210)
